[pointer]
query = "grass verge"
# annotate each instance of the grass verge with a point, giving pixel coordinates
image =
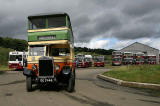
(4, 68)
(142, 73)
(4, 55)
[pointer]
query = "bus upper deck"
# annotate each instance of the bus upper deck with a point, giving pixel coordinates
(46, 27)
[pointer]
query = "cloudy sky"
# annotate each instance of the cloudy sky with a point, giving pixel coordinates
(107, 24)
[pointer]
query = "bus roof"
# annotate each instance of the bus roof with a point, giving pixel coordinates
(48, 14)
(17, 53)
(128, 52)
(88, 56)
(139, 53)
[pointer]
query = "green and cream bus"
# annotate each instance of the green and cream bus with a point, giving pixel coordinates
(50, 51)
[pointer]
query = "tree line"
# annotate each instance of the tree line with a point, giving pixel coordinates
(97, 51)
(21, 45)
(16, 44)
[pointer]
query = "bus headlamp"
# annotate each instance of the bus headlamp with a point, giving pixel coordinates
(57, 67)
(66, 71)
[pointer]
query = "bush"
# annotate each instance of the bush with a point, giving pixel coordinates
(4, 55)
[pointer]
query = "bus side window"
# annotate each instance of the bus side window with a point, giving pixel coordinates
(47, 50)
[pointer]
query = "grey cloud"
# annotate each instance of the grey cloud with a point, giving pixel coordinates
(81, 20)
(135, 32)
(140, 7)
(125, 19)
(98, 26)
(152, 18)
(106, 23)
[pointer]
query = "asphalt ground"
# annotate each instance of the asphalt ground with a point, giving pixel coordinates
(89, 91)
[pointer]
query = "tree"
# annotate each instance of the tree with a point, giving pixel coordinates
(16, 44)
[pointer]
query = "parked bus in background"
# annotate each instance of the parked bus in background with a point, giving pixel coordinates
(81, 61)
(88, 59)
(139, 58)
(17, 60)
(98, 61)
(159, 58)
(127, 58)
(151, 59)
(116, 58)
(116, 61)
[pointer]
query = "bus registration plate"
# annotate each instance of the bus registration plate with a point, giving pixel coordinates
(43, 80)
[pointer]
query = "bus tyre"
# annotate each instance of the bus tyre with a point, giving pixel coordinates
(71, 83)
(29, 83)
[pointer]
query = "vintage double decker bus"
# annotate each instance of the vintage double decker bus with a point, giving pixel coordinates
(151, 59)
(127, 58)
(139, 58)
(116, 58)
(88, 59)
(81, 61)
(51, 51)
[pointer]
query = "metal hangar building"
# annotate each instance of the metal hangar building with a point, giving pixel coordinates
(139, 47)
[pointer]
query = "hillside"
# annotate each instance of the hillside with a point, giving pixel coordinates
(15, 44)
(10, 44)
(93, 51)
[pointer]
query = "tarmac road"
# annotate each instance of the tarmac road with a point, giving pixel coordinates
(90, 91)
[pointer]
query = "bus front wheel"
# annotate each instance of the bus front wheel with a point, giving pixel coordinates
(29, 83)
(71, 82)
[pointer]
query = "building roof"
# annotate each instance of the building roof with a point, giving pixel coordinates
(140, 44)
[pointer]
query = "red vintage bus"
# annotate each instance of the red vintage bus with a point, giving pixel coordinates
(116, 58)
(81, 61)
(151, 59)
(98, 61)
(127, 58)
(139, 58)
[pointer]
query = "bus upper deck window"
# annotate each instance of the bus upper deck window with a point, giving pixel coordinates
(56, 21)
(37, 23)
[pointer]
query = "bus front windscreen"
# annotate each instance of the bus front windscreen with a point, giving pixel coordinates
(98, 59)
(15, 58)
(116, 59)
(59, 52)
(47, 22)
(36, 51)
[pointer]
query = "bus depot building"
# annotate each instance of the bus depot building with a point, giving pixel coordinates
(139, 47)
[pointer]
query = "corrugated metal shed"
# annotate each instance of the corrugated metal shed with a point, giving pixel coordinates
(139, 47)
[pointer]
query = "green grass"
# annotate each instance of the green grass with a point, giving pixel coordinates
(4, 54)
(143, 73)
(4, 68)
